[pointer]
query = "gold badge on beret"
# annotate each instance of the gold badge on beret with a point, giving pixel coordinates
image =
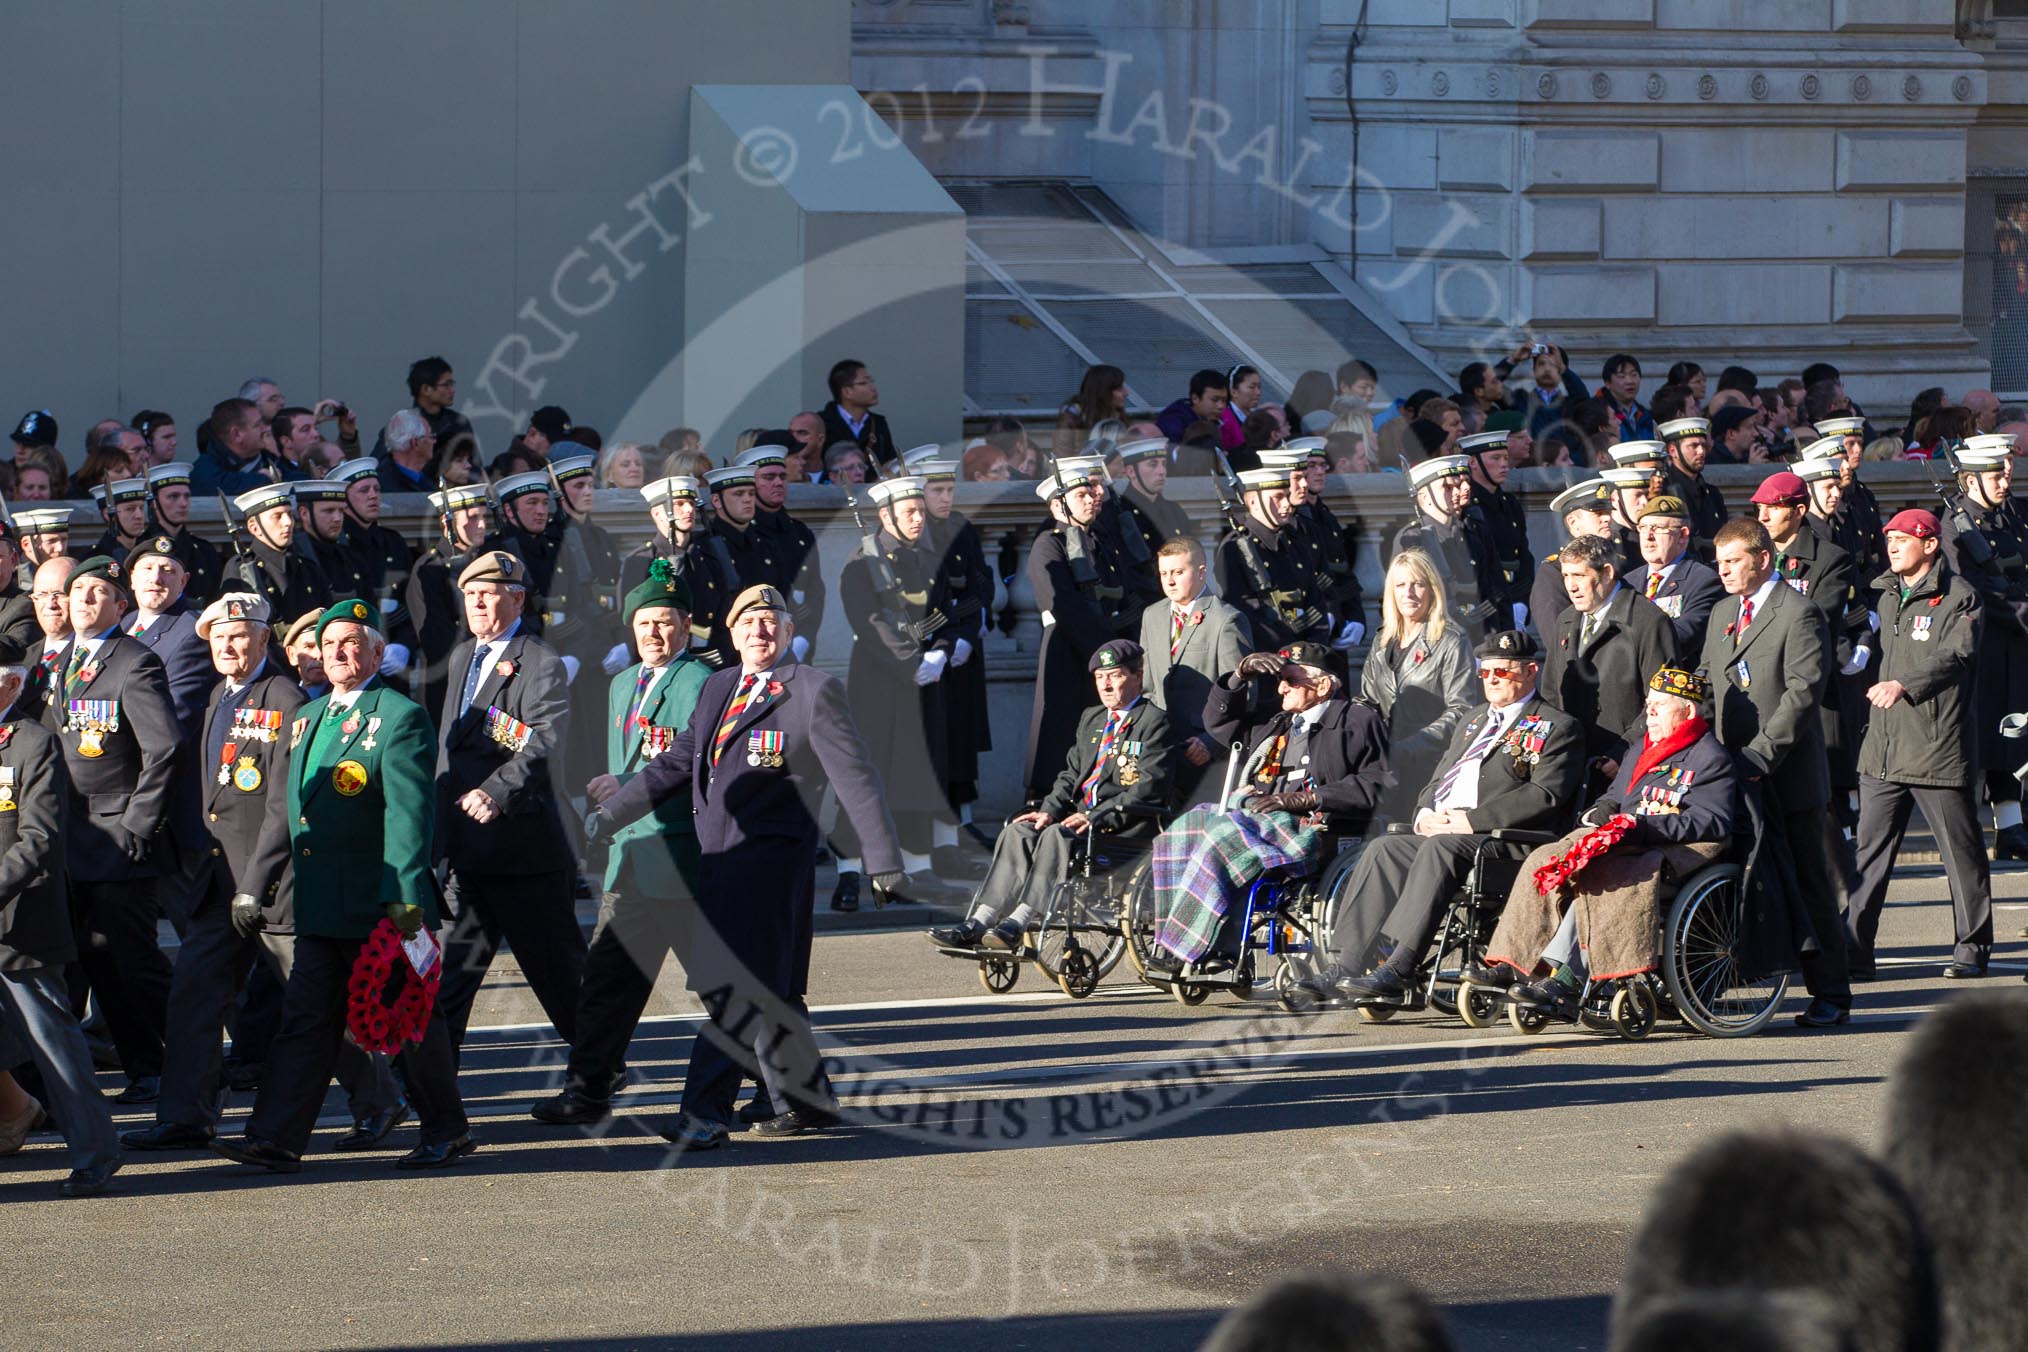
(1683, 684)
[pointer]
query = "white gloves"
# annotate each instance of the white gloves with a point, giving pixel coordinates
(394, 659)
(800, 646)
(569, 668)
(1873, 620)
(962, 653)
(1520, 615)
(931, 668)
(1860, 656)
(615, 661)
(1349, 633)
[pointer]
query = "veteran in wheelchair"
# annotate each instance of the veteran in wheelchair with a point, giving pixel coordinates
(1510, 779)
(1116, 783)
(1590, 906)
(1308, 770)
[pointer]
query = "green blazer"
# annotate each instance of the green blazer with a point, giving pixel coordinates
(662, 846)
(361, 807)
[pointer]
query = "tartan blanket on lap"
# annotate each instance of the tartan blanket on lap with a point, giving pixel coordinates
(1204, 863)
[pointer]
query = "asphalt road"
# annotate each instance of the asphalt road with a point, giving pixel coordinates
(1019, 1171)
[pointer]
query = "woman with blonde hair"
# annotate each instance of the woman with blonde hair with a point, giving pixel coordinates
(624, 464)
(1418, 675)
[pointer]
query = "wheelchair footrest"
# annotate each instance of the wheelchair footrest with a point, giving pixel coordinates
(985, 955)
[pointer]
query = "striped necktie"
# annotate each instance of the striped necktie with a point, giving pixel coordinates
(1745, 618)
(732, 713)
(1176, 614)
(1654, 582)
(1105, 752)
(1474, 753)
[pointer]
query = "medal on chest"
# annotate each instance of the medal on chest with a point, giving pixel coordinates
(764, 750)
(1919, 627)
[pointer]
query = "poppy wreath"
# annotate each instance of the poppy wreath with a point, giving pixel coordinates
(1558, 872)
(387, 1002)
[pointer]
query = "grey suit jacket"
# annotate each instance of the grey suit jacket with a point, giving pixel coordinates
(1766, 689)
(1179, 686)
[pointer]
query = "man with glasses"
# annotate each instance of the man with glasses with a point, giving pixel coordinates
(1516, 764)
(1683, 588)
(850, 416)
(434, 388)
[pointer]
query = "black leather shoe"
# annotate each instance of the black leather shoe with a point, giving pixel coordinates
(845, 896)
(759, 1108)
(1965, 971)
(796, 1121)
(1550, 996)
(243, 1077)
(168, 1136)
(2010, 842)
(369, 1132)
(442, 1155)
(1382, 983)
(1498, 976)
(140, 1089)
(261, 1154)
(1007, 935)
(966, 935)
(694, 1133)
(1823, 1014)
(572, 1108)
(88, 1182)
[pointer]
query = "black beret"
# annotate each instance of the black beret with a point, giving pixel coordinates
(151, 545)
(1121, 652)
(1307, 655)
(1515, 644)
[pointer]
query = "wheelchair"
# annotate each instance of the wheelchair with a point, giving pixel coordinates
(1460, 939)
(1280, 919)
(1699, 980)
(1078, 939)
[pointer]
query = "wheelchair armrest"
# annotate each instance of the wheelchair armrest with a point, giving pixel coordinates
(1116, 817)
(1400, 828)
(1516, 836)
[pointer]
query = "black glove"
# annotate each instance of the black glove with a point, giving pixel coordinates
(597, 827)
(135, 847)
(246, 915)
(408, 919)
(1298, 802)
(1261, 664)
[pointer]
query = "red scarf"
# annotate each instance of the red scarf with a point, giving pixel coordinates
(1653, 753)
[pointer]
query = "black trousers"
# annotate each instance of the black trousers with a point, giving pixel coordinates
(124, 967)
(1820, 876)
(1400, 890)
(305, 1053)
(1954, 816)
(769, 1039)
(536, 913)
(211, 968)
(634, 934)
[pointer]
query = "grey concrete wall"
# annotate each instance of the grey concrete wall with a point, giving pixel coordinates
(203, 190)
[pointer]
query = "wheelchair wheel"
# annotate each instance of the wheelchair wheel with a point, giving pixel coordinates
(1701, 958)
(1376, 1013)
(1078, 943)
(998, 975)
(1635, 1010)
(1188, 994)
(1527, 1019)
(1078, 974)
(1477, 1006)
(1137, 916)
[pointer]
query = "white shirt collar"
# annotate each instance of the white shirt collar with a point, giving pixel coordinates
(1759, 598)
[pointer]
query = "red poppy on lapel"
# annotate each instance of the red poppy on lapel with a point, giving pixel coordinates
(774, 688)
(88, 674)
(505, 666)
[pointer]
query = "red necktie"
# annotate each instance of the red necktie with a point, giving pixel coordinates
(1654, 584)
(1175, 631)
(1098, 767)
(732, 713)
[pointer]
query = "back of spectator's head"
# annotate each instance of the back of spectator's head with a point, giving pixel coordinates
(983, 462)
(1949, 423)
(587, 436)
(428, 371)
(1206, 380)
(1671, 402)
(681, 439)
(1783, 1210)
(1006, 433)
(1203, 432)
(1473, 376)
(405, 429)
(1953, 1135)
(1736, 1321)
(1683, 372)
(1333, 1312)
(1738, 378)
(1822, 399)
(1411, 407)
(1818, 371)
(1313, 390)
(1925, 403)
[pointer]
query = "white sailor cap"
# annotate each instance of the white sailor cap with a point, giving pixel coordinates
(1264, 477)
(127, 490)
(1625, 476)
(1053, 486)
(1147, 448)
(1284, 459)
(459, 496)
(98, 492)
(914, 455)
(1840, 427)
(163, 476)
(1421, 476)
(1081, 464)
(233, 606)
(1678, 428)
(1479, 442)
(1818, 468)
(349, 471)
(267, 495)
(732, 476)
(1593, 495)
(926, 462)
(319, 490)
(1311, 447)
(1991, 441)
(572, 466)
(1824, 448)
(1981, 458)
(754, 457)
(521, 485)
(675, 486)
(894, 489)
(1639, 453)
(41, 520)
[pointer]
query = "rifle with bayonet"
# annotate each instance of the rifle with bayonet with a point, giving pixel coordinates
(1290, 604)
(236, 530)
(1973, 546)
(886, 585)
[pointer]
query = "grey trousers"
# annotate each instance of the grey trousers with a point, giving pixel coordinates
(1953, 816)
(36, 1024)
(1028, 863)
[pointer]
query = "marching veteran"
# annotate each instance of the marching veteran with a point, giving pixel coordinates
(1304, 750)
(1120, 762)
(1592, 900)
(361, 810)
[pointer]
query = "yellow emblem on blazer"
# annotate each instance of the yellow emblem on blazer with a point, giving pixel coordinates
(349, 778)
(246, 776)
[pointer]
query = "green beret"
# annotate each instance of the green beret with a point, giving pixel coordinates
(1506, 420)
(105, 567)
(355, 611)
(660, 588)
